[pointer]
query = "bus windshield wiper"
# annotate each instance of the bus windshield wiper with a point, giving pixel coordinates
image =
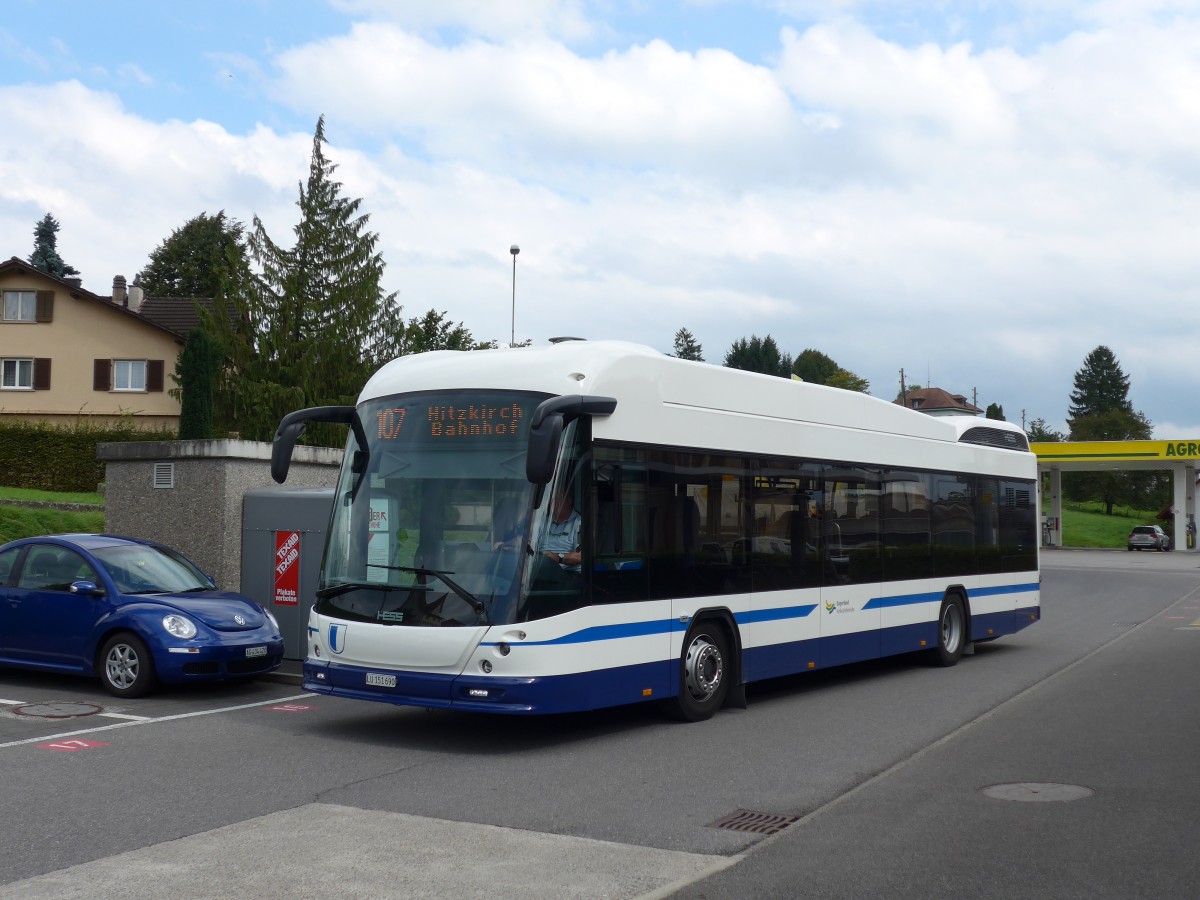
(474, 602)
(336, 590)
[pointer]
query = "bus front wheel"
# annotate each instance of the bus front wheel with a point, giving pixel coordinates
(704, 672)
(951, 632)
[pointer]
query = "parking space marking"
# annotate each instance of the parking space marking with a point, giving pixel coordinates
(108, 715)
(151, 721)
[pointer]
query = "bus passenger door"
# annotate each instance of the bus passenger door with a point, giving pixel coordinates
(851, 593)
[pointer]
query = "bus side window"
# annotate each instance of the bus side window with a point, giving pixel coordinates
(619, 529)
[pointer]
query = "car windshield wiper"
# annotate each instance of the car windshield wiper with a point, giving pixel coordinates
(474, 602)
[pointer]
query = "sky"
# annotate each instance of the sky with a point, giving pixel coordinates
(976, 193)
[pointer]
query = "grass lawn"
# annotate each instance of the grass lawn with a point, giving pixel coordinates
(24, 521)
(1086, 525)
(12, 493)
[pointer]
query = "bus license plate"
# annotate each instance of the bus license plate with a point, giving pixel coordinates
(256, 651)
(381, 680)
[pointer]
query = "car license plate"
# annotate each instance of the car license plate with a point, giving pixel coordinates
(381, 680)
(256, 651)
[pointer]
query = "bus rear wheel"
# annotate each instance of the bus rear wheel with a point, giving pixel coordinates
(703, 674)
(951, 632)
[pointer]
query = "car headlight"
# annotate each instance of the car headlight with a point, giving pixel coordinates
(179, 626)
(274, 621)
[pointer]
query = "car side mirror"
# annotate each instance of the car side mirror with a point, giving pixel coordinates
(88, 588)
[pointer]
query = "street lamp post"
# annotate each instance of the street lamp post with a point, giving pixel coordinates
(512, 340)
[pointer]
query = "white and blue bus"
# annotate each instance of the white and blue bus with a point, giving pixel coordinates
(732, 527)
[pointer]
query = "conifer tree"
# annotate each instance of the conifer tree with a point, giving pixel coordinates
(313, 320)
(45, 256)
(759, 355)
(196, 374)
(1100, 411)
(686, 346)
(1100, 387)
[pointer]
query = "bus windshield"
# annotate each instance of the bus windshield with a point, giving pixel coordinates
(430, 519)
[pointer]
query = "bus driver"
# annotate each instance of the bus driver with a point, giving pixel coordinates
(560, 541)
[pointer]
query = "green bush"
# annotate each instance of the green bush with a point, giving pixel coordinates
(44, 457)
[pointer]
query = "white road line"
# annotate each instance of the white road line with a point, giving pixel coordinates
(13, 702)
(108, 715)
(50, 738)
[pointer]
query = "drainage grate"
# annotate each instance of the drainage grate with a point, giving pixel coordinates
(747, 820)
(57, 710)
(1126, 624)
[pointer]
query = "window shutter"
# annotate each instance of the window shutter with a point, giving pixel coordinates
(102, 375)
(45, 307)
(41, 374)
(154, 375)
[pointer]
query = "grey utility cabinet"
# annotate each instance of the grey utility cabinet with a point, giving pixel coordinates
(283, 535)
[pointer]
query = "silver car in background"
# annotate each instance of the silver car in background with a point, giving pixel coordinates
(1148, 537)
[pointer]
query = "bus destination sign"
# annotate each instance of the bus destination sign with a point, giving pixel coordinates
(462, 422)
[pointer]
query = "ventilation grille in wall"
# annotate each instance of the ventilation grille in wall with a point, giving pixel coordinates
(164, 475)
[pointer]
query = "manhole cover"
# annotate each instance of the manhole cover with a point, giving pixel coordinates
(1035, 792)
(57, 710)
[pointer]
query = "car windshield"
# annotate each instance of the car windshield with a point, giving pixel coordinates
(431, 522)
(147, 569)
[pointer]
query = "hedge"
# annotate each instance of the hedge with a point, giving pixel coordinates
(61, 458)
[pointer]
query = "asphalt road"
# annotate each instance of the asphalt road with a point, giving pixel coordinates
(1058, 762)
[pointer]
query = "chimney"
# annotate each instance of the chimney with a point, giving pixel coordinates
(119, 294)
(135, 294)
(74, 281)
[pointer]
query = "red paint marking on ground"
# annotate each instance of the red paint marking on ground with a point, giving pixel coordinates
(72, 746)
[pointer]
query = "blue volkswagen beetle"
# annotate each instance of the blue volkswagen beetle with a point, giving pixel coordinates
(134, 612)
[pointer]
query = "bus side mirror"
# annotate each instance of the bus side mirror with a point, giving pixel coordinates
(546, 428)
(292, 426)
(544, 439)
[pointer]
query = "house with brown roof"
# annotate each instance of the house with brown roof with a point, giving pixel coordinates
(67, 353)
(936, 402)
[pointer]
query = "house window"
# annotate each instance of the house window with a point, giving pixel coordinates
(20, 306)
(17, 374)
(129, 375)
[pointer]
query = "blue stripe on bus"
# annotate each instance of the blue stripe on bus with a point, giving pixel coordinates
(664, 626)
(603, 633)
(773, 615)
(936, 596)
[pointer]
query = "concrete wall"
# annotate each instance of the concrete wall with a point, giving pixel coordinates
(201, 515)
